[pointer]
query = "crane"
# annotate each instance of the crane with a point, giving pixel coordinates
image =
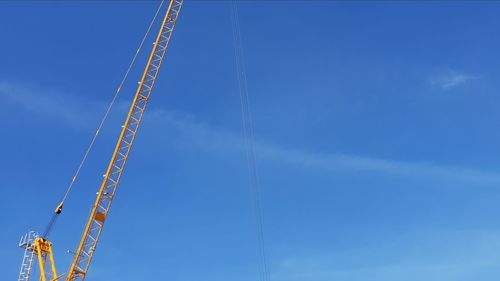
(38, 247)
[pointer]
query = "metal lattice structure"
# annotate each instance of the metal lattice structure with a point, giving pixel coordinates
(36, 247)
(45, 257)
(115, 169)
(28, 244)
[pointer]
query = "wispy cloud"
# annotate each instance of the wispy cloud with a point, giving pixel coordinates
(358, 163)
(449, 79)
(193, 133)
(424, 254)
(66, 109)
(411, 271)
(205, 137)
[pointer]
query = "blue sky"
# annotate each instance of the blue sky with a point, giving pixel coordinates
(376, 137)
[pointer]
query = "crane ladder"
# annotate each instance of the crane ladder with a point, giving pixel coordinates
(27, 242)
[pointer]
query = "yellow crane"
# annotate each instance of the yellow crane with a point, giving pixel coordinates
(39, 248)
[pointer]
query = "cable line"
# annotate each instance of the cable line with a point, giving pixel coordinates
(248, 134)
(59, 207)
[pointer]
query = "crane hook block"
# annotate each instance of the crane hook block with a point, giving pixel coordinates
(59, 207)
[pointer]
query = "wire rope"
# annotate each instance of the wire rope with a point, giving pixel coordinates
(58, 209)
(248, 134)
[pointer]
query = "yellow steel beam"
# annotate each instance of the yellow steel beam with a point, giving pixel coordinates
(43, 249)
(101, 207)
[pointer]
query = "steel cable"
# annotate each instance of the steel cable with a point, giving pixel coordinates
(58, 210)
(248, 134)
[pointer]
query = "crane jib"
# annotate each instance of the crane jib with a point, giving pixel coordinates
(112, 177)
(38, 247)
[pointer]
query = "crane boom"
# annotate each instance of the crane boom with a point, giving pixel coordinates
(100, 209)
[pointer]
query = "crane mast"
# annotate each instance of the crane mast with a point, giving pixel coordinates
(107, 191)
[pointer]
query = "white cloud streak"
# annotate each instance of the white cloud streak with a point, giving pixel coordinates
(62, 108)
(205, 137)
(449, 79)
(202, 136)
(431, 254)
